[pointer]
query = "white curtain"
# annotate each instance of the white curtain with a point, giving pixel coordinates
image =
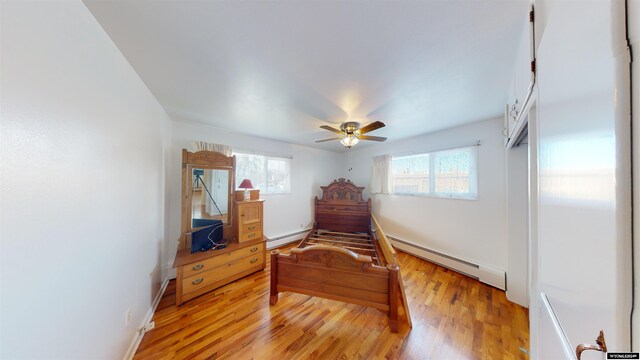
(202, 145)
(381, 180)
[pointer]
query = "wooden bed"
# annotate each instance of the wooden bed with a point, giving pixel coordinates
(342, 258)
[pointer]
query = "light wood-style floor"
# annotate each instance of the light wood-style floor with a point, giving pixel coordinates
(454, 317)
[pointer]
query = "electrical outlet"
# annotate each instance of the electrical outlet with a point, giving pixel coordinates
(150, 326)
(128, 316)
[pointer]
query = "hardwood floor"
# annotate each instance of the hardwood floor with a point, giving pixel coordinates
(454, 317)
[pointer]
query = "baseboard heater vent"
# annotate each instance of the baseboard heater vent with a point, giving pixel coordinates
(485, 274)
(286, 239)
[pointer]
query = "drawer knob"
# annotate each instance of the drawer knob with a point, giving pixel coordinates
(197, 281)
(254, 249)
(198, 267)
(251, 227)
(251, 235)
(254, 260)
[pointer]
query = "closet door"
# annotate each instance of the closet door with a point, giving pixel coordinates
(584, 203)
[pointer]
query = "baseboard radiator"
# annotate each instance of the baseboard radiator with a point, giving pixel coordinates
(286, 239)
(485, 274)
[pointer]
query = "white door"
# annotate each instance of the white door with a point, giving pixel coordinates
(220, 189)
(584, 278)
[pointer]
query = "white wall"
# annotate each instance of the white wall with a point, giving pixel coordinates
(517, 224)
(283, 213)
(471, 230)
(82, 187)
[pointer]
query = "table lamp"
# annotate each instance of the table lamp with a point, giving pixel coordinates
(246, 185)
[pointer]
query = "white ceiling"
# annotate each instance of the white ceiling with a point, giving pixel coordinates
(281, 69)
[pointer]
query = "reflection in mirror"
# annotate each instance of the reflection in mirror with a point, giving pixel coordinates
(210, 196)
(209, 208)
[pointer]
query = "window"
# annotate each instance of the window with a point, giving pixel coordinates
(410, 174)
(448, 173)
(269, 174)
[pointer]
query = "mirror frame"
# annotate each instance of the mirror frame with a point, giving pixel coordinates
(205, 160)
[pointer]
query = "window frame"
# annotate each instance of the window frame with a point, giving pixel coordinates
(430, 180)
(265, 170)
(433, 155)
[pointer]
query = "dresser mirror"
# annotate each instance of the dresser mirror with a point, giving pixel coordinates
(208, 181)
(210, 198)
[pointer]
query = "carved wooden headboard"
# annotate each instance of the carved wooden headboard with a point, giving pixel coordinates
(342, 208)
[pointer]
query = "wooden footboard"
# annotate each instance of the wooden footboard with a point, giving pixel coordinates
(338, 274)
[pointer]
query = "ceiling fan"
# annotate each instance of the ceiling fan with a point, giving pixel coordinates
(351, 133)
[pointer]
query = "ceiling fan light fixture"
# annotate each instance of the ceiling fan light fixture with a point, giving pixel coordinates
(351, 133)
(349, 140)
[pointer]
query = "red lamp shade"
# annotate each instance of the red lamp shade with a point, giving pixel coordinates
(245, 184)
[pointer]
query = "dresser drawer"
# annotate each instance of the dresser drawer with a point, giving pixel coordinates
(212, 262)
(249, 228)
(247, 236)
(219, 273)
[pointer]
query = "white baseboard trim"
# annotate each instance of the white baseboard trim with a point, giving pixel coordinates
(135, 342)
(171, 271)
(486, 274)
(286, 239)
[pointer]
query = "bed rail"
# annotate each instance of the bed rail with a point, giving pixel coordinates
(391, 256)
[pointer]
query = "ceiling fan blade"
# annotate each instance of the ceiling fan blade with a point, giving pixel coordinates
(373, 126)
(335, 138)
(327, 127)
(374, 138)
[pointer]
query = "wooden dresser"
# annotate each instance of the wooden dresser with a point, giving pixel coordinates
(202, 272)
(212, 219)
